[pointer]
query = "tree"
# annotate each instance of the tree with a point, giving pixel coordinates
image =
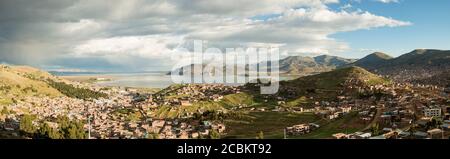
(439, 123)
(63, 122)
(26, 124)
(75, 92)
(46, 131)
(214, 134)
(71, 129)
(75, 130)
(375, 129)
(260, 135)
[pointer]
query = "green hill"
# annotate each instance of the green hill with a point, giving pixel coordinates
(327, 85)
(18, 82)
(338, 78)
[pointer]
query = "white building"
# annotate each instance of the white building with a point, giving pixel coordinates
(432, 112)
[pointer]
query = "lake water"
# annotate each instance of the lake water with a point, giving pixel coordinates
(139, 80)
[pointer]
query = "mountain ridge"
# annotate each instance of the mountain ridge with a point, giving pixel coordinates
(414, 66)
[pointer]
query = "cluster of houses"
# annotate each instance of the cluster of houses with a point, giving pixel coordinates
(301, 129)
(187, 94)
(184, 130)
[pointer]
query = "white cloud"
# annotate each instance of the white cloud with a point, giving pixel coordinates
(137, 46)
(124, 31)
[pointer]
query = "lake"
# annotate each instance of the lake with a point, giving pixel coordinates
(138, 79)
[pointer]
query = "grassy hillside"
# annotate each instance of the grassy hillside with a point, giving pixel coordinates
(337, 78)
(16, 83)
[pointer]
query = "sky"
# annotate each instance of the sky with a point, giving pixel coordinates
(140, 35)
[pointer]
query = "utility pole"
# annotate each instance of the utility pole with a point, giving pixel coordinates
(89, 123)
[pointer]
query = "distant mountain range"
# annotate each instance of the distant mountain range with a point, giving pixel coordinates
(422, 65)
(300, 65)
(426, 66)
(293, 65)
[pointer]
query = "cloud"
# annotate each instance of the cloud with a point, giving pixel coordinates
(139, 33)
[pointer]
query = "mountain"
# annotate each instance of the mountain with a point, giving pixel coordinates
(422, 57)
(415, 66)
(332, 60)
(296, 65)
(201, 69)
(299, 65)
(372, 61)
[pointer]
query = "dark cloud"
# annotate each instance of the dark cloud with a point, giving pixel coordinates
(138, 34)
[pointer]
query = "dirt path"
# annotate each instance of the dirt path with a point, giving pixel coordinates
(375, 119)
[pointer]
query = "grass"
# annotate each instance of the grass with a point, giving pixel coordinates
(17, 85)
(129, 114)
(233, 100)
(272, 124)
(332, 80)
(180, 111)
(6, 101)
(301, 101)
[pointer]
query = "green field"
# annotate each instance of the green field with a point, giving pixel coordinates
(271, 124)
(180, 111)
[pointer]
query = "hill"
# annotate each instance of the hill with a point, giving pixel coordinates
(416, 66)
(18, 82)
(299, 65)
(372, 61)
(327, 85)
(422, 57)
(338, 79)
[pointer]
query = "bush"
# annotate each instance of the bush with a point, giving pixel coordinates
(71, 129)
(260, 135)
(214, 134)
(26, 124)
(46, 131)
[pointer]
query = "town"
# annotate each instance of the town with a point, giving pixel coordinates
(399, 111)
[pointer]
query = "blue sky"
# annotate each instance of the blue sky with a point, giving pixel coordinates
(430, 27)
